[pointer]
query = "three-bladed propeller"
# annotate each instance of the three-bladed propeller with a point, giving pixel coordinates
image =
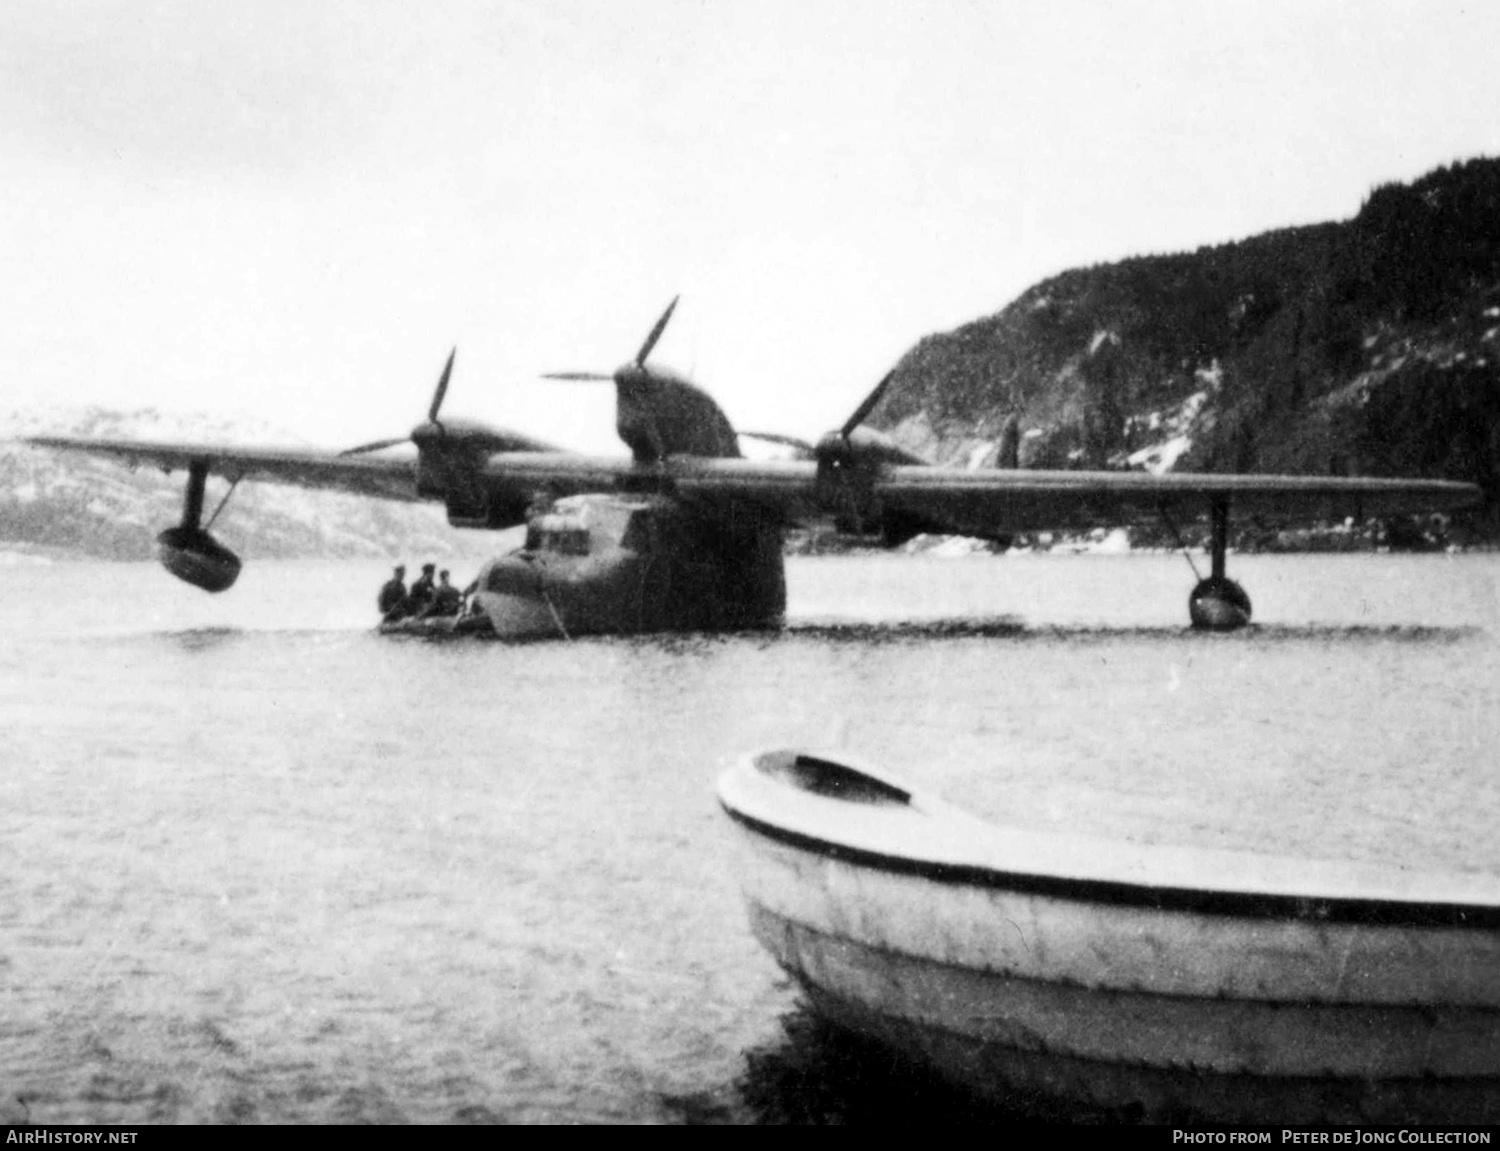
(634, 366)
(835, 444)
(659, 413)
(836, 449)
(848, 467)
(426, 431)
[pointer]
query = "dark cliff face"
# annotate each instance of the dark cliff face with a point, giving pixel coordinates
(1370, 346)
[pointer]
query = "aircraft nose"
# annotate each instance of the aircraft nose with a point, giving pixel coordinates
(511, 576)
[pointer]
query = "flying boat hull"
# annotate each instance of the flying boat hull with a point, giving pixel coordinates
(1156, 982)
(621, 565)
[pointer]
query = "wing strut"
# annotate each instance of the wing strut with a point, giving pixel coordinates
(192, 498)
(1181, 543)
(234, 483)
(1220, 542)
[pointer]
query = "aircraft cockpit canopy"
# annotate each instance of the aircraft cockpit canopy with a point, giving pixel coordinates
(559, 534)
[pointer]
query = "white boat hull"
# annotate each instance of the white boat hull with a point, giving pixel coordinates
(1235, 988)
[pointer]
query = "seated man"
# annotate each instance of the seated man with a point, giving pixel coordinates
(393, 594)
(446, 599)
(419, 599)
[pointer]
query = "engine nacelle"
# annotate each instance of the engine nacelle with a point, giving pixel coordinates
(484, 513)
(194, 556)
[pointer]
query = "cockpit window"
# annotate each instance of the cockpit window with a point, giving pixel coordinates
(559, 538)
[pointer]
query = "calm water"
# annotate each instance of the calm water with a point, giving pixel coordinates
(258, 863)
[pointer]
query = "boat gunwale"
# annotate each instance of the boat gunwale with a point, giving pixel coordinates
(1346, 909)
(1370, 912)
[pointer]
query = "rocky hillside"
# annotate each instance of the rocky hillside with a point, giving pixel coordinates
(1370, 347)
(58, 505)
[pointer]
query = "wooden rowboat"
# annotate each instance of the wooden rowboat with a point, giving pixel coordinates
(1161, 982)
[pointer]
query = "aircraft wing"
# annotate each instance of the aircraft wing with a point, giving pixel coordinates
(982, 502)
(366, 475)
(958, 501)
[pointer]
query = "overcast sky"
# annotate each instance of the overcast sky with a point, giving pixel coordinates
(293, 209)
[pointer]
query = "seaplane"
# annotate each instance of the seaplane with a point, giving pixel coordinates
(685, 533)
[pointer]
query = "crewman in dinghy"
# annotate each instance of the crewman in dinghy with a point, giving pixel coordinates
(393, 595)
(419, 599)
(447, 600)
